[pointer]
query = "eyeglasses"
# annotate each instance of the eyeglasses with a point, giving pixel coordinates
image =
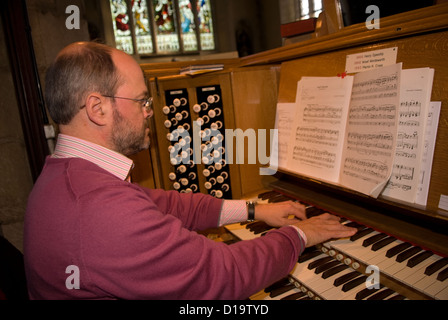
(146, 103)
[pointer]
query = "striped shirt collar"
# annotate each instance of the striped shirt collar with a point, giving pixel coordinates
(111, 161)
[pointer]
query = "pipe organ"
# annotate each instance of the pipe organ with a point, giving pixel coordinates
(196, 110)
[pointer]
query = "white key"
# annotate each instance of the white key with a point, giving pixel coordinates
(408, 272)
(381, 261)
(355, 248)
(301, 271)
(327, 284)
(337, 294)
(426, 282)
(443, 295)
(420, 273)
(436, 287)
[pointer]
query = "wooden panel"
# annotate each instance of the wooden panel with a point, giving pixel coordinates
(397, 26)
(426, 50)
(255, 100)
(143, 173)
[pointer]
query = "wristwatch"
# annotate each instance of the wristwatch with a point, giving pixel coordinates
(250, 211)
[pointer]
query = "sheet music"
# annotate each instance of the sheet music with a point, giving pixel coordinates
(318, 129)
(283, 123)
(371, 130)
(415, 96)
(428, 154)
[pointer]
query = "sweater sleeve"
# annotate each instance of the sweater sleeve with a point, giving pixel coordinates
(197, 211)
(133, 249)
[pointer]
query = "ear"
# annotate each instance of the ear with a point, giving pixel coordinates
(97, 109)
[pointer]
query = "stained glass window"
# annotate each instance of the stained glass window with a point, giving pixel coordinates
(188, 26)
(122, 31)
(142, 27)
(165, 19)
(162, 27)
(205, 24)
(310, 9)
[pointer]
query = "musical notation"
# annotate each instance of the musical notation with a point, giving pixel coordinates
(328, 137)
(413, 110)
(372, 125)
(322, 111)
(381, 81)
(314, 157)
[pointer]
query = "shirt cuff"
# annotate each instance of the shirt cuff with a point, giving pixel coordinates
(301, 234)
(233, 211)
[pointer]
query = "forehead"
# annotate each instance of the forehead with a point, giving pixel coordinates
(130, 71)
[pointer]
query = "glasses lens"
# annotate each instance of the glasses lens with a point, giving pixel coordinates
(147, 104)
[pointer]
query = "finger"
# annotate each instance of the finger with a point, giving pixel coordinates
(344, 233)
(327, 217)
(339, 230)
(298, 210)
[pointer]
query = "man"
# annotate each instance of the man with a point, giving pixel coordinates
(90, 234)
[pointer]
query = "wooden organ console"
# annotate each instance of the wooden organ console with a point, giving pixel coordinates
(408, 243)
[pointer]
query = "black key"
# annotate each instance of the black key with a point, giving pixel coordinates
(342, 219)
(326, 266)
(309, 255)
(354, 283)
(407, 254)
(281, 290)
(397, 297)
(419, 258)
(262, 229)
(334, 270)
(366, 292)
(267, 195)
(280, 283)
(255, 225)
(279, 198)
(443, 275)
(294, 296)
(318, 262)
(345, 278)
(361, 233)
(231, 241)
(397, 249)
(436, 266)
(382, 295)
(355, 225)
(313, 211)
(373, 239)
(381, 244)
(275, 197)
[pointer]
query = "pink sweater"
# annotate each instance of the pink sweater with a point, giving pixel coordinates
(129, 242)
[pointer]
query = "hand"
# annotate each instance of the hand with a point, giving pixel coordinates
(279, 214)
(322, 228)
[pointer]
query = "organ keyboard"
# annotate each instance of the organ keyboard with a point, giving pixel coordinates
(344, 269)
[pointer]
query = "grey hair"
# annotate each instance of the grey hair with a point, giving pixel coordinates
(78, 71)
